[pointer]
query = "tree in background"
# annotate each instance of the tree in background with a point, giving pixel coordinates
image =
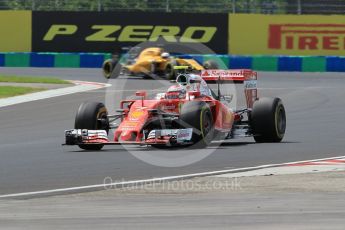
(316, 6)
(212, 6)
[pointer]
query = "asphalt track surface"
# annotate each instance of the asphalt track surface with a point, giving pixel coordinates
(33, 159)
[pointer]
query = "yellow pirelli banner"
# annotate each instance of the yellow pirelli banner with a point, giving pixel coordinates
(251, 34)
(15, 27)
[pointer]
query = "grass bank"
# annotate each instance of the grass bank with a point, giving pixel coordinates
(10, 91)
(21, 79)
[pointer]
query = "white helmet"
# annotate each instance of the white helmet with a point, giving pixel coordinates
(176, 92)
(165, 55)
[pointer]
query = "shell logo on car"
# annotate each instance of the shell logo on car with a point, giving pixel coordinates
(135, 115)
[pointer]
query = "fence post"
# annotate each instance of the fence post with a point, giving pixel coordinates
(33, 5)
(233, 6)
(167, 6)
(99, 5)
(299, 7)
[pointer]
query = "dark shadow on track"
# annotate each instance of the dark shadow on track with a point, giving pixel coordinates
(226, 145)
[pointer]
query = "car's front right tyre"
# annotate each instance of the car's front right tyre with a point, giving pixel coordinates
(92, 116)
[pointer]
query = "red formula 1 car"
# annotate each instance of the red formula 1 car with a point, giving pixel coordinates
(190, 112)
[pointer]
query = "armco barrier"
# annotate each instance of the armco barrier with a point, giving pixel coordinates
(261, 63)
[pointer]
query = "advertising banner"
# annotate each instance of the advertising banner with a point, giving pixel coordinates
(110, 31)
(15, 29)
(312, 35)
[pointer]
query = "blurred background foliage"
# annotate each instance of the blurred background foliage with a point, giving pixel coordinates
(193, 6)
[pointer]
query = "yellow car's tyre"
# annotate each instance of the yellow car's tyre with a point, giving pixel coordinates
(107, 68)
(169, 72)
(111, 68)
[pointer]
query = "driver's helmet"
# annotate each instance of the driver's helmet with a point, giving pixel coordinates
(165, 55)
(176, 92)
(193, 82)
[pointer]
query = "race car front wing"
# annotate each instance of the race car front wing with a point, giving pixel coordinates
(154, 137)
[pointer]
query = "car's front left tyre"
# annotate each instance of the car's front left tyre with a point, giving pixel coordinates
(111, 69)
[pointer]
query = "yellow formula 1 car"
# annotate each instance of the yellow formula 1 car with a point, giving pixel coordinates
(153, 61)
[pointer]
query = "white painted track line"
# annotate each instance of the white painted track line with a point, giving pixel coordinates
(153, 180)
(79, 86)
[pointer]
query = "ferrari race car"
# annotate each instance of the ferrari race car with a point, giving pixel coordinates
(151, 61)
(190, 112)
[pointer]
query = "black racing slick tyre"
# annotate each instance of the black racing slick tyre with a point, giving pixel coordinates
(198, 115)
(92, 116)
(111, 69)
(268, 120)
(107, 67)
(169, 72)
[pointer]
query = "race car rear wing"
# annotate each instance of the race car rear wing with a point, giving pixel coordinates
(245, 76)
(228, 76)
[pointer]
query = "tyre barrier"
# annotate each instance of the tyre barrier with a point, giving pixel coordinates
(277, 63)
(64, 60)
(260, 63)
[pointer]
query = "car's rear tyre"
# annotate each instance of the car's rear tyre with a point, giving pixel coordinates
(198, 115)
(169, 71)
(268, 120)
(210, 64)
(92, 116)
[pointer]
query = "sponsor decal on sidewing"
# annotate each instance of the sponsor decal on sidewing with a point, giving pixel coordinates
(251, 84)
(182, 135)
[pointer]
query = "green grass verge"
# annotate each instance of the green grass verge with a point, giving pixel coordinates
(18, 79)
(10, 91)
